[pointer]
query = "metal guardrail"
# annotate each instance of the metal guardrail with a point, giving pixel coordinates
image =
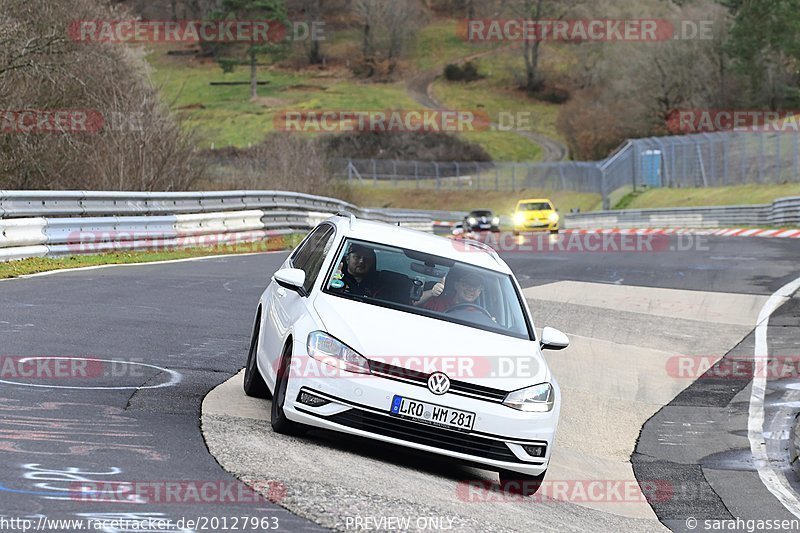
(53, 223)
(782, 212)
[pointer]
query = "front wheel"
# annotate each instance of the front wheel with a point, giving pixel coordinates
(280, 423)
(521, 484)
(553, 232)
(254, 384)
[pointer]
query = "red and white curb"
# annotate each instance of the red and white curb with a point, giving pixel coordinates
(723, 232)
(719, 232)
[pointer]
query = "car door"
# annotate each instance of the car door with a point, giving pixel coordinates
(285, 306)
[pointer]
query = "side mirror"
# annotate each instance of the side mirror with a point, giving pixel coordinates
(553, 339)
(291, 278)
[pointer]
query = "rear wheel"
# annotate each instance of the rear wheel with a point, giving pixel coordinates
(254, 384)
(281, 424)
(521, 484)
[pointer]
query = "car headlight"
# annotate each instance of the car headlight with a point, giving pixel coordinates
(553, 217)
(519, 218)
(472, 220)
(536, 399)
(330, 351)
(496, 220)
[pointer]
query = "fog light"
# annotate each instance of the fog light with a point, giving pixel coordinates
(306, 398)
(534, 450)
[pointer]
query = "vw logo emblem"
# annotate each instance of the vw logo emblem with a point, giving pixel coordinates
(438, 383)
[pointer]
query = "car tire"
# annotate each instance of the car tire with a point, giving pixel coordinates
(280, 423)
(254, 384)
(520, 484)
(553, 232)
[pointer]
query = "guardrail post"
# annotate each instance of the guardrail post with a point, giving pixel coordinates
(743, 162)
(513, 176)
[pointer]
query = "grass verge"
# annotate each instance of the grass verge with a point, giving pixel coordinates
(34, 265)
(734, 195)
(501, 202)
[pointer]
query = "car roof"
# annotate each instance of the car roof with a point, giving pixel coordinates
(535, 200)
(471, 252)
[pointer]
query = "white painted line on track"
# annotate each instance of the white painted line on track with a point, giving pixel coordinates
(174, 377)
(774, 480)
(146, 263)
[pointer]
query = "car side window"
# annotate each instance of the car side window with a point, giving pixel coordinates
(310, 256)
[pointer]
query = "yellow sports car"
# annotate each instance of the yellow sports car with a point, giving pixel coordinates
(535, 214)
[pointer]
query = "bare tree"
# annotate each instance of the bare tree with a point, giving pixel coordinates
(536, 12)
(387, 27)
(140, 145)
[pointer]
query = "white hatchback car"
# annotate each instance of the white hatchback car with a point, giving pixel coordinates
(408, 338)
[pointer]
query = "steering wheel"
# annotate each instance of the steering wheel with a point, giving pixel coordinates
(468, 305)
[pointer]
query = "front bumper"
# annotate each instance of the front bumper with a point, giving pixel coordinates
(476, 228)
(536, 225)
(359, 405)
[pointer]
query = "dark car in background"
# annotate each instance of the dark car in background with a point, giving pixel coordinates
(481, 220)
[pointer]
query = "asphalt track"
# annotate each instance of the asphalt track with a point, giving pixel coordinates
(192, 320)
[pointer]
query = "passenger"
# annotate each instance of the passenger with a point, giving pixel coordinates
(458, 287)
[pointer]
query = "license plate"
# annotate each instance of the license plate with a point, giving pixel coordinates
(485, 226)
(429, 413)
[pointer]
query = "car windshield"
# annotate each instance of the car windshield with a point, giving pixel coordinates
(424, 284)
(480, 214)
(535, 206)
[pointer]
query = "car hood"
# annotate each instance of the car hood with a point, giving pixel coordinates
(544, 213)
(426, 344)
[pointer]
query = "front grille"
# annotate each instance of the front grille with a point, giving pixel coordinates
(445, 439)
(415, 377)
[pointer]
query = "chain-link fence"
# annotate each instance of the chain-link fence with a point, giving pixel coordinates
(496, 176)
(701, 160)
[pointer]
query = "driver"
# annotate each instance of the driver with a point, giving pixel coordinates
(458, 287)
(358, 276)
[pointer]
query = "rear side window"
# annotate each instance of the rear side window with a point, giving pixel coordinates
(311, 254)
